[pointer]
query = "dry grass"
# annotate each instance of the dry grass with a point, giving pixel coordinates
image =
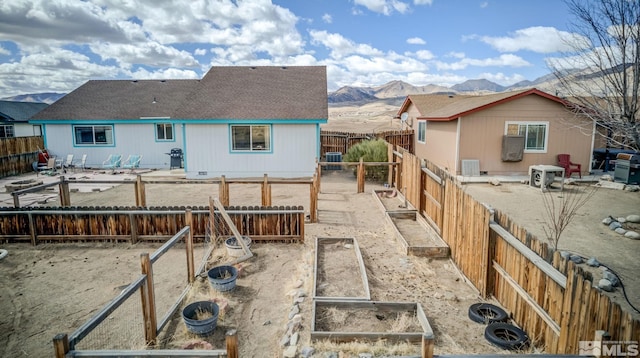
(334, 314)
(203, 314)
(377, 348)
(403, 322)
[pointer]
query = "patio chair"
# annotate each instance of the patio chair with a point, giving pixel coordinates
(113, 162)
(81, 164)
(564, 160)
(49, 169)
(132, 162)
(68, 163)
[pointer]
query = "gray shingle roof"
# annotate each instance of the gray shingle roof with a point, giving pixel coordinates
(120, 99)
(11, 111)
(266, 92)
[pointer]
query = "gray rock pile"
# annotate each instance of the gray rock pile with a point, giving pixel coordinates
(617, 225)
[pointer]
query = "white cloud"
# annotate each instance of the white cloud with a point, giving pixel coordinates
(327, 18)
(144, 74)
(422, 2)
(456, 54)
(4, 51)
(150, 53)
(537, 39)
(484, 4)
(55, 70)
(200, 52)
(385, 7)
(425, 55)
(501, 78)
(506, 60)
(416, 41)
(340, 46)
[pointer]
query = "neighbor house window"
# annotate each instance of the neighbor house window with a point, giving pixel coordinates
(93, 135)
(422, 131)
(164, 132)
(535, 134)
(7, 131)
(250, 138)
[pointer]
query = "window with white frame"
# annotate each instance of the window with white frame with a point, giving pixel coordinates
(164, 132)
(93, 135)
(6, 131)
(535, 134)
(251, 138)
(422, 131)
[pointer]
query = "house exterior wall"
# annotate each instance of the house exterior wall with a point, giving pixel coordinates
(440, 140)
(440, 145)
(129, 138)
(481, 135)
(293, 153)
(25, 130)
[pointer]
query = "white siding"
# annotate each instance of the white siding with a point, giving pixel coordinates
(128, 139)
(294, 151)
(23, 130)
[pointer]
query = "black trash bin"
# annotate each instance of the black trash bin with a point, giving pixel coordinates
(176, 158)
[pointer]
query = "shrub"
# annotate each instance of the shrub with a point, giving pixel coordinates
(370, 151)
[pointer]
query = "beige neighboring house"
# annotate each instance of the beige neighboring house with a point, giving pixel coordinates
(498, 134)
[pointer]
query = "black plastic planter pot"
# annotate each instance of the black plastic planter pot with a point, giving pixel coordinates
(201, 326)
(223, 278)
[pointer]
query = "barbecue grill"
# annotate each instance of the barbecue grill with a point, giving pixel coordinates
(627, 168)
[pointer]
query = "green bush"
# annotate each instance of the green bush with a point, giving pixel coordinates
(370, 151)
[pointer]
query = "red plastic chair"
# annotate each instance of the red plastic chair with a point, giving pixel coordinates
(564, 160)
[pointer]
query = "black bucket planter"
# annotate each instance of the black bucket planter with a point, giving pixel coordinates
(202, 326)
(223, 278)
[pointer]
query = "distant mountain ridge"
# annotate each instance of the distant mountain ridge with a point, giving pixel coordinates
(398, 90)
(47, 97)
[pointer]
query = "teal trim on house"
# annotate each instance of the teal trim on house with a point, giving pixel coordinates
(319, 144)
(186, 121)
(173, 132)
(184, 146)
(44, 135)
(271, 141)
(93, 145)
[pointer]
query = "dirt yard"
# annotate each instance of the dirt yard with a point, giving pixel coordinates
(52, 289)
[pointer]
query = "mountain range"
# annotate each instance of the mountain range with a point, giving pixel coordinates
(393, 92)
(396, 91)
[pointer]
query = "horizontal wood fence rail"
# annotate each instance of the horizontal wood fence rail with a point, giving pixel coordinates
(35, 225)
(17, 154)
(351, 164)
(223, 189)
(550, 297)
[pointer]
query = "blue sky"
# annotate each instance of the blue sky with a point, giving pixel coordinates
(57, 45)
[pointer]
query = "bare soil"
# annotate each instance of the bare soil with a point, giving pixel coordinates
(55, 288)
(51, 289)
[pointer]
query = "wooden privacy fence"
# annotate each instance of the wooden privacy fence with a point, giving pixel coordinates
(124, 224)
(17, 154)
(550, 297)
(334, 141)
(223, 189)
